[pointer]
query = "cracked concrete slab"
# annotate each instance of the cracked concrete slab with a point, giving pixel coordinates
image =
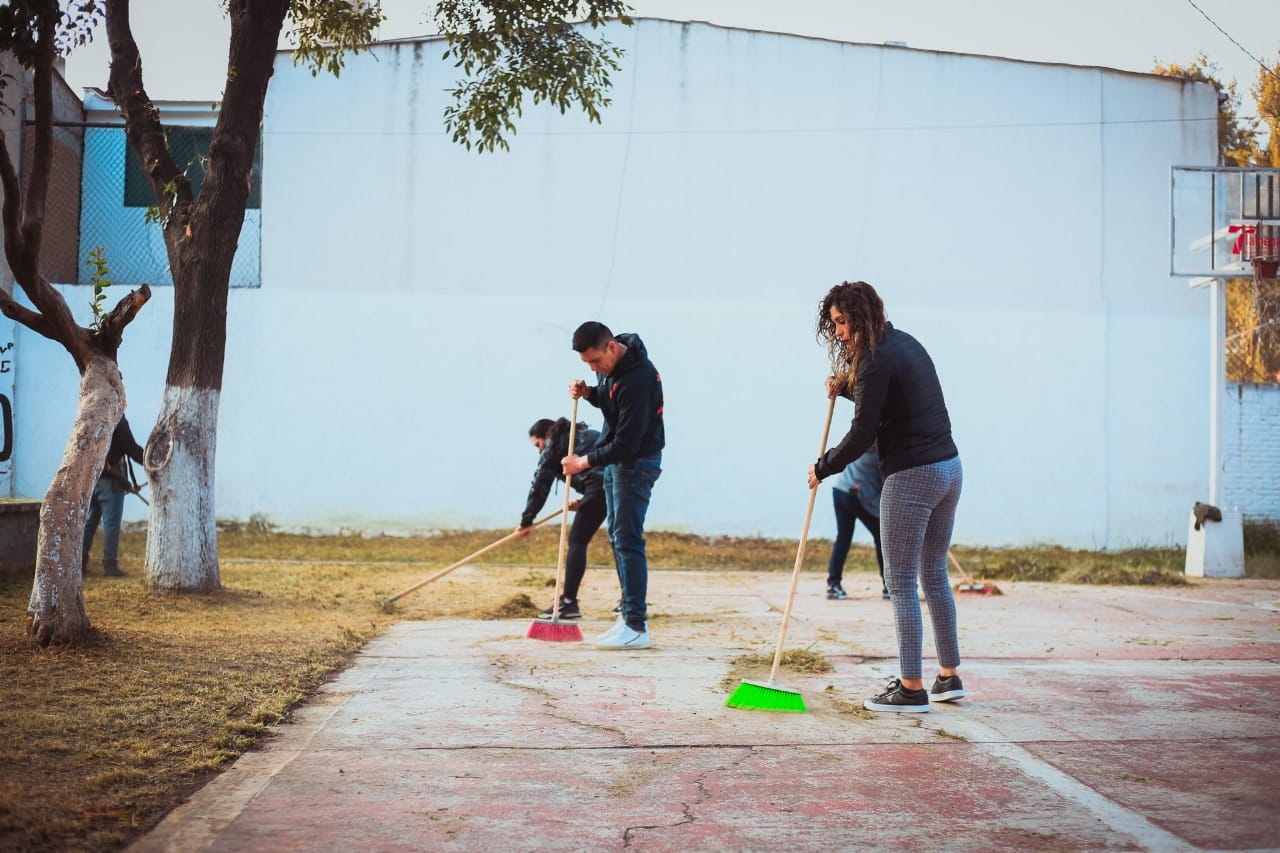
(1097, 719)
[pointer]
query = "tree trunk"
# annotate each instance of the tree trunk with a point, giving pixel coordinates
(182, 544)
(56, 611)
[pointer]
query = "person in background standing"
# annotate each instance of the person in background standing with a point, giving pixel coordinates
(856, 495)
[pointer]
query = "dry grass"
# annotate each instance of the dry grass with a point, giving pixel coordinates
(101, 741)
(757, 667)
(1139, 566)
(1262, 550)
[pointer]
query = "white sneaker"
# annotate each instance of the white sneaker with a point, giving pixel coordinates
(613, 629)
(627, 638)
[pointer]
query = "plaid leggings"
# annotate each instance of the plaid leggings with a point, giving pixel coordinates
(917, 512)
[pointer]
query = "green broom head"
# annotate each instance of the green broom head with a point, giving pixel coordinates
(551, 631)
(761, 696)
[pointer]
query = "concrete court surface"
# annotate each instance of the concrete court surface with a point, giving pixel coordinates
(1098, 718)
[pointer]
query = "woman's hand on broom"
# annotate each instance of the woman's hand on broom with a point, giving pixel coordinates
(813, 476)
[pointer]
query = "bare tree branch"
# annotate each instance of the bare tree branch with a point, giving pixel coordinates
(33, 320)
(142, 124)
(14, 247)
(42, 155)
(255, 32)
(111, 329)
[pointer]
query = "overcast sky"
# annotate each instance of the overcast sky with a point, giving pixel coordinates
(189, 62)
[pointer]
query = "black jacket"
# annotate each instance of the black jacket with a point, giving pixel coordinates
(897, 400)
(549, 469)
(122, 444)
(631, 400)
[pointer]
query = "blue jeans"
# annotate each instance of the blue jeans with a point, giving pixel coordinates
(627, 487)
(106, 504)
(849, 511)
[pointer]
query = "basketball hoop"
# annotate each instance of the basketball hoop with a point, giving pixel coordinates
(1265, 267)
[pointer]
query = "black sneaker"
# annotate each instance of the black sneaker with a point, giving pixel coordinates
(568, 610)
(899, 699)
(946, 688)
(835, 592)
(884, 593)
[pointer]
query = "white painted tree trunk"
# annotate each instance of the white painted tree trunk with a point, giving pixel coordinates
(56, 608)
(182, 544)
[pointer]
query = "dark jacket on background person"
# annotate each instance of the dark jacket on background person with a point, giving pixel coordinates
(631, 400)
(898, 400)
(549, 469)
(122, 444)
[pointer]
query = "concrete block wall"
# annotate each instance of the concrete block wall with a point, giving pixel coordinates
(1251, 450)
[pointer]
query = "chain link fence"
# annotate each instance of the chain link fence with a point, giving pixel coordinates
(1253, 330)
(114, 202)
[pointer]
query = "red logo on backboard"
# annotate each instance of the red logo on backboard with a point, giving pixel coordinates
(1253, 241)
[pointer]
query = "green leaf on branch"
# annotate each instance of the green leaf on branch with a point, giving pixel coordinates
(98, 272)
(507, 48)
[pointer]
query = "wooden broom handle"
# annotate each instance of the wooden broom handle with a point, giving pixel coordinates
(804, 536)
(564, 519)
(959, 568)
(467, 559)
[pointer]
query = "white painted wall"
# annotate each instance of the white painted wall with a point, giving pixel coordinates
(418, 299)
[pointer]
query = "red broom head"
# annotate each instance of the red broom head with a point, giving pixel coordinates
(554, 632)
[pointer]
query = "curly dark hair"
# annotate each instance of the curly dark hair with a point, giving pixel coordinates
(864, 310)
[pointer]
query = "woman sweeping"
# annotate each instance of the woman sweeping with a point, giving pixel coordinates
(898, 403)
(551, 440)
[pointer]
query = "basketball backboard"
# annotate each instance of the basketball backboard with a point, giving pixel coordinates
(1222, 220)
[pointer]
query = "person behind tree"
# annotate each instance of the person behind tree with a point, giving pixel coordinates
(551, 438)
(855, 492)
(107, 503)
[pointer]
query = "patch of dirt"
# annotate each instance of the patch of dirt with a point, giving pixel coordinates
(513, 608)
(756, 667)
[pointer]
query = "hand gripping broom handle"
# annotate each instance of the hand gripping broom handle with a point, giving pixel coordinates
(467, 559)
(564, 519)
(804, 536)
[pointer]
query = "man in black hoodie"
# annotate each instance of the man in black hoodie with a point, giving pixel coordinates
(628, 392)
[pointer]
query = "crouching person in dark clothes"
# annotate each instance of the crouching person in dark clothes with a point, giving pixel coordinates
(628, 392)
(551, 438)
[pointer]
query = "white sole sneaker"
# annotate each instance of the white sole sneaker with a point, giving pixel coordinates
(896, 709)
(627, 638)
(613, 629)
